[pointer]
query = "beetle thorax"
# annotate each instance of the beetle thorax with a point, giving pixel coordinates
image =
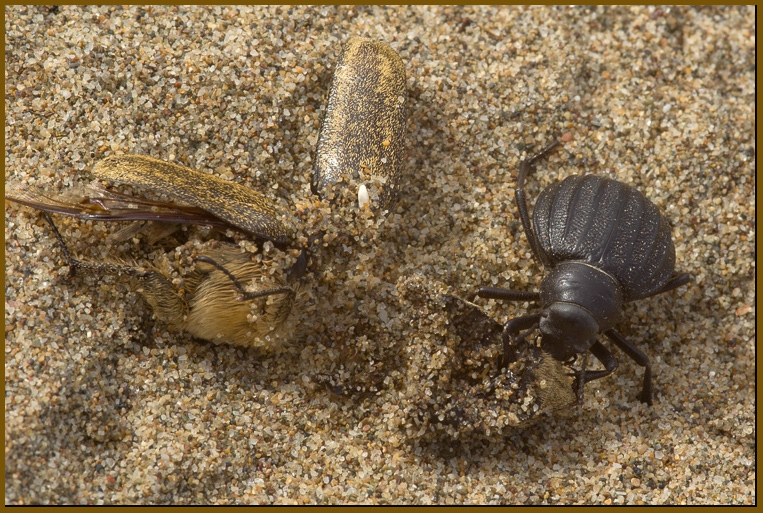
(579, 301)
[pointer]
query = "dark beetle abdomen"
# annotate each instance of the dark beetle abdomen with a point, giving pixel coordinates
(609, 225)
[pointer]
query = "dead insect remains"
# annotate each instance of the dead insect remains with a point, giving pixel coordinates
(363, 131)
(457, 384)
(216, 289)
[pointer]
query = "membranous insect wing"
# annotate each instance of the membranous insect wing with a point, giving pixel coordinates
(208, 200)
(99, 204)
(237, 205)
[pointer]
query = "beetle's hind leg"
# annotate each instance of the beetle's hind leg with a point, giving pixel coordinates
(525, 167)
(640, 358)
(674, 282)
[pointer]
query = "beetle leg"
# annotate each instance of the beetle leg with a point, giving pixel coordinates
(640, 358)
(602, 354)
(511, 330)
(519, 194)
(245, 296)
(580, 378)
(503, 294)
(606, 358)
(674, 282)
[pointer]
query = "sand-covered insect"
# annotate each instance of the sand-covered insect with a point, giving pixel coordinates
(455, 382)
(363, 131)
(223, 293)
(603, 244)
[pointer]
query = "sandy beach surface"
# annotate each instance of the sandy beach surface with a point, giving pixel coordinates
(105, 404)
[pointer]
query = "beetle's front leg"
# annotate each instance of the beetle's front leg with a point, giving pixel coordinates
(511, 331)
(503, 294)
(582, 376)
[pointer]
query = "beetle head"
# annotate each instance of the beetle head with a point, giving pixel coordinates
(568, 329)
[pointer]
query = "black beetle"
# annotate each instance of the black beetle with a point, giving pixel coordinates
(604, 244)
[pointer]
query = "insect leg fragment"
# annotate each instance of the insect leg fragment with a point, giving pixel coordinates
(602, 354)
(504, 294)
(158, 291)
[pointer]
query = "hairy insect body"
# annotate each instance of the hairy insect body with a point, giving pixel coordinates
(363, 131)
(215, 314)
(225, 294)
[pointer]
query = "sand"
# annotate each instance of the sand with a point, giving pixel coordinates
(106, 405)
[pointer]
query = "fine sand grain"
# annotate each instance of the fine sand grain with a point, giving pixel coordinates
(104, 404)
